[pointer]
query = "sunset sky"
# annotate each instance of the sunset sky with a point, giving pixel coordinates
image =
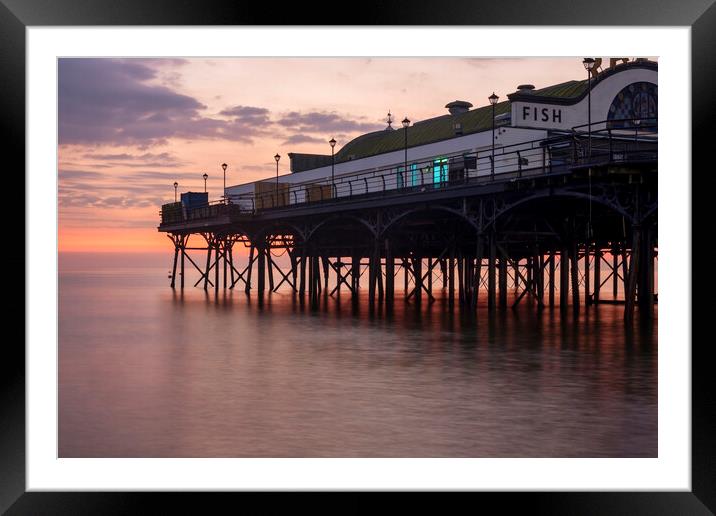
(129, 128)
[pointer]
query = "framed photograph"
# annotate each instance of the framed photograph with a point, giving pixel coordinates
(391, 256)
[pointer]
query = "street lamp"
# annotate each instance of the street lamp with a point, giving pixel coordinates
(224, 165)
(175, 190)
(406, 123)
(493, 100)
(588, 65)
(277, 157)
(332, 142)
(205, 176)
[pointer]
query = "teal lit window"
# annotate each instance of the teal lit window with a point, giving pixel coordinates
(440, 171)
(414, 175)
(399, 179)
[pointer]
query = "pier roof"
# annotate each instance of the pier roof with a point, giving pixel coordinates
(421, 133)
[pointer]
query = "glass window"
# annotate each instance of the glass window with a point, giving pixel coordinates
(440, 171)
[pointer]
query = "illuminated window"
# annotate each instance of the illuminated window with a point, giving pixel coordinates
(440, 171)
(414, 175)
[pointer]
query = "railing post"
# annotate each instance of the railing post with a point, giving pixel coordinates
(519, 163)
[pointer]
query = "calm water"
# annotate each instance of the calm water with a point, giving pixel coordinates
(146, 372)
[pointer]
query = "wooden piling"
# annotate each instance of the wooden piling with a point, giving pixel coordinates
(451, 277)
(183, 253)
(261, 268)
(597, 274)
(551, 278)
(502, 281)
(491, 273)
(252, 251)
(574, 270)
(418, 273)
(564, 278)
(632, 275)
(389, 274)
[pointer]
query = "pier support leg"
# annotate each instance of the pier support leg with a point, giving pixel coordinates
(460, 284)
(324, 262)
(563, 278)
(478, 270)
(502, 281)
(406, 277)
(302, 274)
(551, 278)
(231, 261)
(451, 277)
(430, 276)
(176, 257)
(355, 274)
(491, 273)
(225, 243)
(389, 274)
(183, 253)
(371, 278)
(633, 274)
(539, 278)
(379, 271)
(645, 289)
(597, 274)
(209, 247)
(615, 269)
(418, 273)
(261, 269)
(575, 275)
(587, 278)
(252, 251)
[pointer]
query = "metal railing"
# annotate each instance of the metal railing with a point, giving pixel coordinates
(608, 141)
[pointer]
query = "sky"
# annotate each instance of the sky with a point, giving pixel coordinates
(129, 128)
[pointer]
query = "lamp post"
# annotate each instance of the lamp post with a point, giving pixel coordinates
(205, 176)
(493, 100)
(175, 190)
(224, 165)
(277, 157)
(588, 65)
(406, 123)
(332, 142)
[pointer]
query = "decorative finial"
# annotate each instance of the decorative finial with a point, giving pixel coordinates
(390, 122)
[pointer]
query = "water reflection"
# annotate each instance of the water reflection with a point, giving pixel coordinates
(150, 372)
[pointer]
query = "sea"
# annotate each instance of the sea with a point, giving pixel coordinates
(150, 371)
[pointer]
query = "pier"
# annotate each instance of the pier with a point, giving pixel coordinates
(568, 221)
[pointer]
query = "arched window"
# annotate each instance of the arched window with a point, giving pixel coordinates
(635, 105)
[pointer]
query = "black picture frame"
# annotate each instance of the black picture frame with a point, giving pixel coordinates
(700, 15)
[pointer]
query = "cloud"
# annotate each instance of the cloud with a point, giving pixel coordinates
(303, 138)
(247, 114)
(146, 160)
(114, 102)
(325, 123)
